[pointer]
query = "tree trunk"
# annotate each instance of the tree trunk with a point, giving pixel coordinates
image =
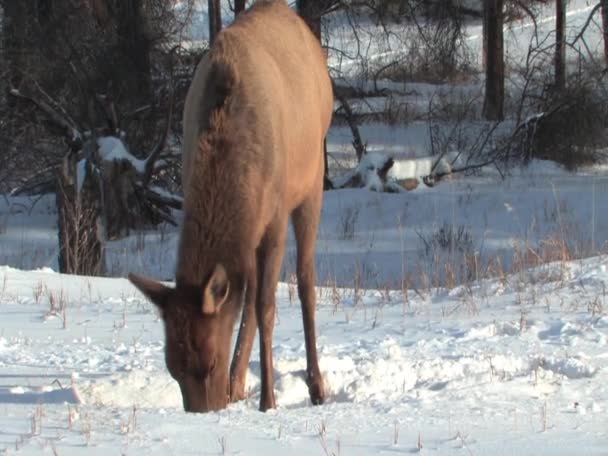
(215, 19)
(239, 7)
(493, 106)
(358, 145)
(120, 211)
(134, 44)
(310, 11)
(605, 28)
(560, 44)
(80, 231)
(100, 12)
(327, 184)
(484, 40)
(14, 30)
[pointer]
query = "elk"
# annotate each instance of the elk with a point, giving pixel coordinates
(255, 119)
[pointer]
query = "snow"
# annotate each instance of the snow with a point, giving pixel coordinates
(112, 148)
(420, 167)
(164, 193)
(367, 169)
(81, 173)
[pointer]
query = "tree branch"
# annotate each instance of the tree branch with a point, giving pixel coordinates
(60, 119)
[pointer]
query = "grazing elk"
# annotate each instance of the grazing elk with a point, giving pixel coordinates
(255, 119)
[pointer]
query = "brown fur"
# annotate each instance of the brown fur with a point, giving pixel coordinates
(255, 119)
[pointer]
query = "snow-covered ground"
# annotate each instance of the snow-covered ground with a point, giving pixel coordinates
(378, 240)
(516, 365)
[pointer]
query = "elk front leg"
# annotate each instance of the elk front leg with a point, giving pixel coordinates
(270, 258)
(244, 342)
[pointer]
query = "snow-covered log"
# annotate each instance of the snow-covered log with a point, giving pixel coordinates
(129, 198)
(381, 173)
(103, 190)
(371, 173)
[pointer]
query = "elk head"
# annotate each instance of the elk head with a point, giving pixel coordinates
(198, 325)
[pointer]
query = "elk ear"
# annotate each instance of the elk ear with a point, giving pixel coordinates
(154, 291)
(216, 291)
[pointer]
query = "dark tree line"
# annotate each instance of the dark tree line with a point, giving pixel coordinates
(80, 72)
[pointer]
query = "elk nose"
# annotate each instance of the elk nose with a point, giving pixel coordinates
(192, 399)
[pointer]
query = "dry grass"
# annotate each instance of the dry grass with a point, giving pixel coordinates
(292, 288)
(130, 424)
(323, 440)
(73, 415)
(223, 443)
(86, 429)
(3, 287)
(448, 258)
(347, 223)
(58, 303)
(38, 290)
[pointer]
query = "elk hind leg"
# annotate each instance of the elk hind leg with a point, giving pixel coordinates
(306, 222)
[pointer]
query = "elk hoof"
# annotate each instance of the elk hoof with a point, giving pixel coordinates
(267, 403)
(317, 393)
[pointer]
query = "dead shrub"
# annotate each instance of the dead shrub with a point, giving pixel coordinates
(449, 238)
(448, 255)
(573, 128)
(348, 223)
(397, 111)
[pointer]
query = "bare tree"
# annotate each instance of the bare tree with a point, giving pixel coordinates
(493, 107)
(604, 4)
(311, 11)
(14, 29)
(133, 42)
(601, 6)
(239, 6)
(215, 18)
(560, 44)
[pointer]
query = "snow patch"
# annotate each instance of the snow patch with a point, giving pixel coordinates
(112, 148)
(419, 167)
(571, 368)
(81, 174)
(45, 394)
(136, 387)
